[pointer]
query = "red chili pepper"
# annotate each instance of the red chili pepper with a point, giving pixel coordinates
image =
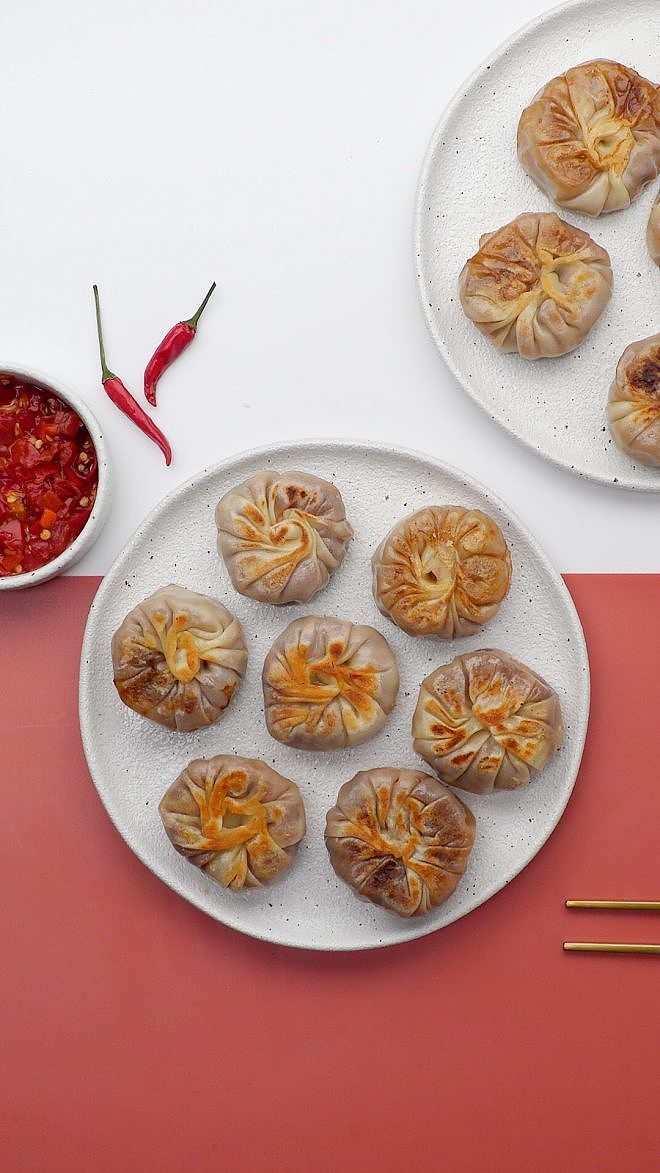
(122, 398)
(170, 348)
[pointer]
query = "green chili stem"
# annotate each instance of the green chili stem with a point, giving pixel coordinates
(105, 372)
(192, 322)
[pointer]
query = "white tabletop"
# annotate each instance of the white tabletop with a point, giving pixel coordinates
(155, 147)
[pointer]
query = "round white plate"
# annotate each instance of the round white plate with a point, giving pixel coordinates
(133, 761)
(472, 182)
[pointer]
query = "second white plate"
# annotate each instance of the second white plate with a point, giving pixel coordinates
(133, 761)
(472, 183)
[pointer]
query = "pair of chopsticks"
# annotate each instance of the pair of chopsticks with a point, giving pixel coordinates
(611, 946)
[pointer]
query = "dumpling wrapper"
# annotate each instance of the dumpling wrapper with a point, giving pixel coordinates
(444, 571)
(633, 405)
(399, 839)
(536, 286)
(590, 139)
(328, 684)
(235, 818)
(178, 658)
(653, 231)
(486, 722)
(282, 535)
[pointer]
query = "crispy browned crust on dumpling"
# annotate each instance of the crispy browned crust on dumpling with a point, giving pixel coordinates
(235, 818)
(486, 722)
(633, 406)
(653, 231)
(590, 139)
(536, 286)
(178, 658)
(328, 683)
(443, 571)
(282, 535)
(400, 839)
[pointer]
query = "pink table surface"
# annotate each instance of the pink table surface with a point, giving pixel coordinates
(137, 1034)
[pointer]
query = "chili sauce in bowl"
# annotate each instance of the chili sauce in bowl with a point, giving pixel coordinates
(53, 478)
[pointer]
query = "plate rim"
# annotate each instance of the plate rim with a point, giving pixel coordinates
(271, 452)
(459, 95)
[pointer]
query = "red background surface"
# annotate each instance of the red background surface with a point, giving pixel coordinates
(137, 1034)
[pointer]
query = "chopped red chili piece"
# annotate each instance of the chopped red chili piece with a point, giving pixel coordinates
(65, 452)
(174, 342)
(11, 533)
(44, 501)
(62, 423)
(50, 500)
(24, 453)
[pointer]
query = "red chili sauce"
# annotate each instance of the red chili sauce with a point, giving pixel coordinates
(48, 475)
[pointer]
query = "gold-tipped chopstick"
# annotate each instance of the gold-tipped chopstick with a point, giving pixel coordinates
(640, 905)
(608, 947)
(611, 946)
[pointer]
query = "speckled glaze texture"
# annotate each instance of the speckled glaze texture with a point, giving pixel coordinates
(472, 183)
(132, 761)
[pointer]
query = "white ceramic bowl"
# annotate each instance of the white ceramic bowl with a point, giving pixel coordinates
(97, 517)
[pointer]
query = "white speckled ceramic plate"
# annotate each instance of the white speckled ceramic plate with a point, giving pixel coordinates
(132, 761)
(472, 182)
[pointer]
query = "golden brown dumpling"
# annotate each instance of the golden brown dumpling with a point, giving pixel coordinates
(653, 231)
(400, 839)
(178, 658)
(633, 407)
(536, 286)
(328, 684)
(486, 722)
(282, 536)
(443, 571)
(591, 138)
(235, 818)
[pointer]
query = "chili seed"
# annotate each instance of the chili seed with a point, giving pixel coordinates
(18, 569)
(44, 535)
(84, 502)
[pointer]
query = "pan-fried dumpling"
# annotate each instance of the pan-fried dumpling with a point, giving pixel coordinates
(486, 722)
(400, 839)
(536, 286)
(653, 231)
(178, 658)
(591, 138)
(328, 684)
(443, 571)
(282, 536)
(235, 818)
(633, 407)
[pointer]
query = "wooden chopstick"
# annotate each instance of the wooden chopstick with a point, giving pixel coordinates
(643, 905)
(611, 946)
(608, 947)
